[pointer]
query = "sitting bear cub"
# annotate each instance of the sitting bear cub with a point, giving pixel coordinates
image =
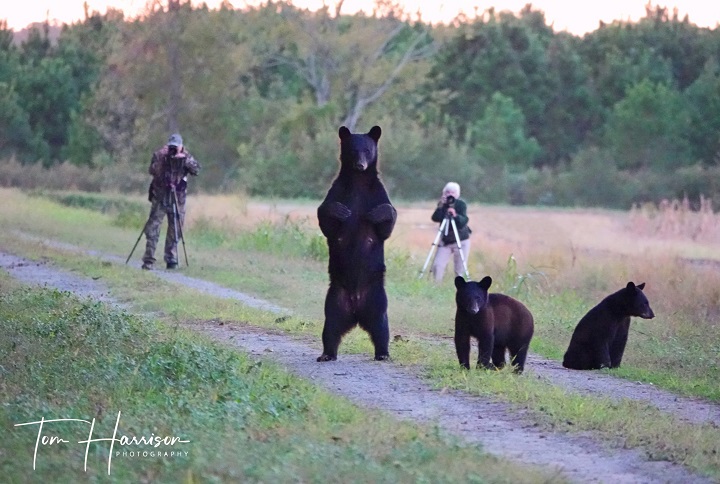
(499, 323)
(600, 337)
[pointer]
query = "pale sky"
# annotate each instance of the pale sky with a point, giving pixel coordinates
(575, 16)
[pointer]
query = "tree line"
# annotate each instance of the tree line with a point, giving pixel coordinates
(513, 110)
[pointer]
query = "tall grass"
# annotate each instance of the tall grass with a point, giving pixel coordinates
(678, 350)
(677, 219)
(126, 212)
(284, 259)
(288, 237)
(121, 177)
(245, 420)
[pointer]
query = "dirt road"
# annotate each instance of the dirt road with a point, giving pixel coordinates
(501, 430)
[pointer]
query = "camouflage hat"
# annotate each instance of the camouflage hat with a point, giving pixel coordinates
(175, 140)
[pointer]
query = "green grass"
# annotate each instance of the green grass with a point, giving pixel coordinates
(245, 420)
(269, 262)
(625, 423)
(282, 263)
(125, 212)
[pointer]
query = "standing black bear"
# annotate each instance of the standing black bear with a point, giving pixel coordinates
(600, 337)
(499, 323)
(356, 217)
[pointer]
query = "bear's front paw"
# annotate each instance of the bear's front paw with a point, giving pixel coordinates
(382, 213)
(339, 211)
(325, 357)
(382, 357)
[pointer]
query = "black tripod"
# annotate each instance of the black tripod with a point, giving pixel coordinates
(448, 221)
(177, 225)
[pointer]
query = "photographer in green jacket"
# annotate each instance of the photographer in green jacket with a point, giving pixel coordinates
(451, 206)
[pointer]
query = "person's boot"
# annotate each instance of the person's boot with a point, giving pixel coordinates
(148, 266)
(172, 265)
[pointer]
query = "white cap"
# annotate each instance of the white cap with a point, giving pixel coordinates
(452, 188)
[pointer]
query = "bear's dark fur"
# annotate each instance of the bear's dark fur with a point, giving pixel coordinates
(600, 337)
(356, 217)
(499, 323)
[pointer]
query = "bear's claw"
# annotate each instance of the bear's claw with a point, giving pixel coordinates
(382, 213)
(339, 211)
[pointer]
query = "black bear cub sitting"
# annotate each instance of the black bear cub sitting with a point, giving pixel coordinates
(499, 323)
(356, 218)
(600, 337)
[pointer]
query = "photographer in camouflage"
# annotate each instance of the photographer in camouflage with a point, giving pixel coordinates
(169, 168)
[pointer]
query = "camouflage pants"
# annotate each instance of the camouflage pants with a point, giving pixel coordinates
(159, 210)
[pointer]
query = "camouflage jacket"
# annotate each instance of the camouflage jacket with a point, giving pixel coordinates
(168, 171)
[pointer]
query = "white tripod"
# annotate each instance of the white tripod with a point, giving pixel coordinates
(444, 230)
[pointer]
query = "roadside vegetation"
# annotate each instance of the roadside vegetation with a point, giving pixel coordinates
(244, 419)
(281, 259)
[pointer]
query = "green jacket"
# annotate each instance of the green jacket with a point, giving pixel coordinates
(461, 221)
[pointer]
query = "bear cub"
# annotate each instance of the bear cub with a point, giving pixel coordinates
(499, 322)
(600, 337)
(356, 218)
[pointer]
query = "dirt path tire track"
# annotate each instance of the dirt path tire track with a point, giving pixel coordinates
(384, 386)
(693, 410)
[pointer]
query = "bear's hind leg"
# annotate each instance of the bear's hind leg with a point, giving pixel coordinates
(498, 356)
(518, 356)
(339, 319)
(580, 357)
(380, 336)
(374, 320)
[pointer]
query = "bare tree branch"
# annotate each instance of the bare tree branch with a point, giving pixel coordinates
(356, 56)
(361, 102)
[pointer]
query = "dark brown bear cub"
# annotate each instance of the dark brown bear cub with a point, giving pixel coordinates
(356, 218)
(499, 322)
(600, 337)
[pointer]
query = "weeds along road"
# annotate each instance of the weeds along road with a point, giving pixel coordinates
(399, 392)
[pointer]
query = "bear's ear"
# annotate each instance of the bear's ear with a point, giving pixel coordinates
(486, 282)
(641, 286)
(459, 282)
(630, 285)
(344, 132)
(375, 133)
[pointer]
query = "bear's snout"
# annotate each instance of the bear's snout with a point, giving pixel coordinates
(361, 165)
(473, 307)
(649, 314)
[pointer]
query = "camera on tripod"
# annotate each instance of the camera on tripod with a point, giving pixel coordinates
(445, 226)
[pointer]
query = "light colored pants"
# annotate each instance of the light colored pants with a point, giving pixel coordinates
(443, 257)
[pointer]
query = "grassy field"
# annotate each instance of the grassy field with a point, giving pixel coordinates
(559, 263)
(238, 419)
